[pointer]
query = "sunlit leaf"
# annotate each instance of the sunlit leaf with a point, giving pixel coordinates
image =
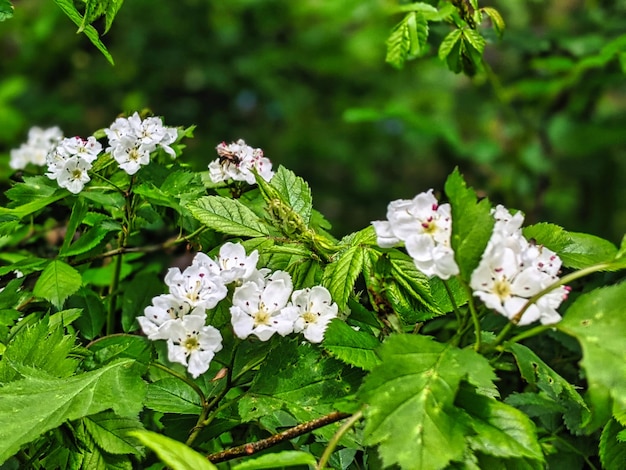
(57, 282)
(294, 191)
(111, 432)
(174, 454)
(352, 347)
(287, 458)
(341, 274)
(228, 216)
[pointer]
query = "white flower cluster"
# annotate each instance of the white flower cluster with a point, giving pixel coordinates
(132, 140)
(512, 270)
(40, 142)
(260, 306)
(424, 226)
(70, 160)
(236, 161)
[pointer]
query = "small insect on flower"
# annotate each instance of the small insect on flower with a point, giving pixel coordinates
(227, 155)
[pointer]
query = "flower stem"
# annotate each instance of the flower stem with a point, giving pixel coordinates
(336, 437)
(475, 319)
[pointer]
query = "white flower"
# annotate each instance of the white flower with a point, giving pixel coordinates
(164, 308)
(236, 161)
(258, 309)
(132, 140)
(191, 343)
(425, 228)
(40, 142)
(73, 175)
(312, 310)
(196, 285)
(234, 264)
(512, 270)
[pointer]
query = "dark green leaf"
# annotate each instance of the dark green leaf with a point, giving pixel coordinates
(34, 405)
(228, 216)
(76, 218)
(356, 348)
(93, 315)
(57, 282)
(612, 450)
(173, 453)
(136, 296)
(170, 395)
(111, 348)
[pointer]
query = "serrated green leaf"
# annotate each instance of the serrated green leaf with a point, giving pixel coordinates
(111, 433)
(534, 403)
(34, 405)
(408, 39)
(597, 321)
(496, 19)
(549, 235)
(89, 239)
(448, 43)
(472, 224)
(41, 348)
(228, 216)
(68, 8)
(286, 458)
(110, 348)
(111, 9)
(612, 450)
(356, 348)
(341, 274)
(537, 373)
(57, 282)
(32, 206)
(474, 38)
(498, 429)
(32, 188)
(409, 399)
(90, 456)
(294, 191)
(174, 454)
(172, 396)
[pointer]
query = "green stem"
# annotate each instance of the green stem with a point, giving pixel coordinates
(475, 319)
(455, 307)
(117, 270)
(530, 333)
(330, 448)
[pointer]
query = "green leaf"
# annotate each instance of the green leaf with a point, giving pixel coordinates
(57, 282)
(496, 19)
(170, 395)
(549, 235)
(76, 218)
(90, 239)
(408, 39)
(136, 296)
(34, 405)
(612, 451)
(32, 188)
(448, 43)
(597, 321)
(286, 458)
(111, 433)
(472, 224)
(93, 316)
(474, 38)
(110, 348)
(341, 274)
(33, 206)
(294, 191)
(538, 374)
(584, 250)
(356, 348)
(409, 398)
(498, 429)
(228, 216)
(68, 8)
(174, 454)
(111, 9)
(6, 10)
(38, 348)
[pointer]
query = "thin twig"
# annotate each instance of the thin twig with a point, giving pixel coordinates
(253, 447)
(336, 438)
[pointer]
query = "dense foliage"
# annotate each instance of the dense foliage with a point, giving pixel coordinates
(157, 312)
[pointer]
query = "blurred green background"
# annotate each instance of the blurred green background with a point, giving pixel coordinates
(306, 80)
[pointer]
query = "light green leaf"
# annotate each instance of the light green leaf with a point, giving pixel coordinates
(475, 39)
(407, 40)
(287, 458)
(174, 454)
(612, 450)
(34, 405)
(33, 187)
(170, 395)
(496, 19)
(585, 250)
(33, 206)
(57, 282)
(549, 235)
(89, 239)
(597, 321)
(228, 216)
(498, 429)
(472, 224)
(294, 191)
(409, 399)
(68, 8)
(538, 374)
(341, 274)
(448, 43)
(111, 433)
(356, 348)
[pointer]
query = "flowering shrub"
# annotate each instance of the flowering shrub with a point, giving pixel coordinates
(215, 308)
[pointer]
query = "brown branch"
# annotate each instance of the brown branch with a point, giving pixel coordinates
(253, 447)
